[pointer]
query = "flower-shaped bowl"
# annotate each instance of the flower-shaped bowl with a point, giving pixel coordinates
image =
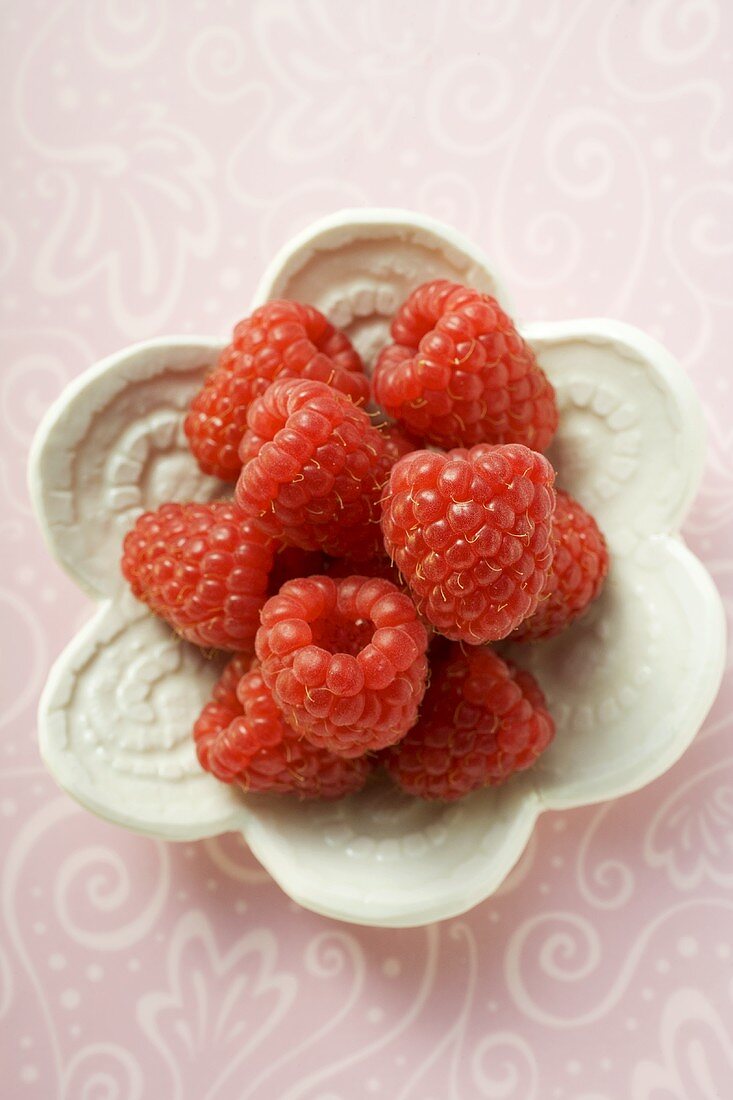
(629, 685)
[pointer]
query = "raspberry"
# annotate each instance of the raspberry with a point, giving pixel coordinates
(482, 720)
(221, 709)
(396, 445)
(345, 661)
(314, 469)
(459, 373)
(241, 737)
(578, 571)
(470, 533)
(280, 340)
(291, 563)
(203, 568)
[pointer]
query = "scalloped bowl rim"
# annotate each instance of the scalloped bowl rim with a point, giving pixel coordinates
(326, 898)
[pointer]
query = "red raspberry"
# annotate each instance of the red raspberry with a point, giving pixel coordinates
(470, 533)
(203, 568)
(241, 737)
(482, 720)
(578, 571)
(459, 373)
(291, 563)
(314, 469)
(221, 709)
(396, 445)
(345, 661)
(280, 340)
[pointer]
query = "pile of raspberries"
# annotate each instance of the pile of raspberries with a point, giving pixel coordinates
(384, 532)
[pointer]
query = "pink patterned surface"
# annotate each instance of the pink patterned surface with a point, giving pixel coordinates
(155, 155)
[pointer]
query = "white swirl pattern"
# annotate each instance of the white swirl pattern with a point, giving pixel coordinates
(216, 1007)
(107, 885)
(155, 155)
(696, 1049)
(691, 834)
(505, 1068)
(103, 1071)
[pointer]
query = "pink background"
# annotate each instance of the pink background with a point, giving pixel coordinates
(155, 153)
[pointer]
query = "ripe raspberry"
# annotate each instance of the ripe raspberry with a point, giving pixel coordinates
(291, 563)
(345, 661)
(314, 469)
(396, 445)
(203, 568)
(280, 340)
(578, 571)
(482, 720)
(241, 737)
(459, 373)
(221, 709)
(469, 532)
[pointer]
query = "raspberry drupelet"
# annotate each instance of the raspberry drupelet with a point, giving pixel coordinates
(204, 568)
(345, 661)
(459, 373)
(281, 339)
(481, 721)
(579, 569)
(469, 532)
(241, 737)
(314, 470)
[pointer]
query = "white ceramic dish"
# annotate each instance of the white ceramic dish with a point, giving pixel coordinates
(629, 686)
